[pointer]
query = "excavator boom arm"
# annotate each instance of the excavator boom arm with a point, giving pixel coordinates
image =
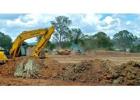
(14, 51)
(43, 41)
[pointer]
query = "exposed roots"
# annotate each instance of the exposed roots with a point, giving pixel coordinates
(28, 68)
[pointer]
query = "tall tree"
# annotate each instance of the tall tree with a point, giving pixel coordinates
(101, 40)
(61, 24)
(124, 40)
(77, 36)
(5, 41)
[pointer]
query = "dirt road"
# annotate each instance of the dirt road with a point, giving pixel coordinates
(116, 57)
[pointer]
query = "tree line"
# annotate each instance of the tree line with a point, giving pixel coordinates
(65, 37)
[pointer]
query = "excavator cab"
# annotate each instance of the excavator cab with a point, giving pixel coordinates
(3, 57)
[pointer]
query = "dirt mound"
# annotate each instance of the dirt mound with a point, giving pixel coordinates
(88, 72)
(99, 72)
(46, 67)
(128, 74)
(50, 69)
(7, 69)
(63, 52)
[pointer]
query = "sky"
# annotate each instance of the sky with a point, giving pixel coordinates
(14, 24)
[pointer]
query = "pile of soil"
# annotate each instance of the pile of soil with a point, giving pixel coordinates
(50, 69)
(88, 72)
(95, 72)
(101, 72)
(46, 67)
(7, 69)
(128, 74)
(63, 52)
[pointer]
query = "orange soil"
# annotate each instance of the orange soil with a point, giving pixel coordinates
(94, 68)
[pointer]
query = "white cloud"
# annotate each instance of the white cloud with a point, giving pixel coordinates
(14, 27)
(91, 19)
(128, 22)
(29, 20)
(108, 20)
(109, 23)
(96, 22)
(3, 30)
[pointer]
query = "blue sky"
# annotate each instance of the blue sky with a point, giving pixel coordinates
(14, 24)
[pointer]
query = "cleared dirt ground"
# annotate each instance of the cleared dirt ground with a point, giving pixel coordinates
(92, 68)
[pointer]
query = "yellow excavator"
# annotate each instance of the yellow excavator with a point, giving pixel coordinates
(15, 49)
(3, 57)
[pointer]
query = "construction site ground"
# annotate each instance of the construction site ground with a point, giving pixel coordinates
(91, 68)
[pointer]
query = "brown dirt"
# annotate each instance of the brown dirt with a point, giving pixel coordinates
(128, 74)
(99, 72)
(90, 69)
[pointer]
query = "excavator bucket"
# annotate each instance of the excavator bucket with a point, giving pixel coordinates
(3, 57)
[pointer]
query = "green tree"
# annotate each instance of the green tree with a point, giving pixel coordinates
(101, 40)
(88, 43)
(50, 46)
(123, 40)
(136, 46)
(61, 24)
(5, 41)
(77, 36)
